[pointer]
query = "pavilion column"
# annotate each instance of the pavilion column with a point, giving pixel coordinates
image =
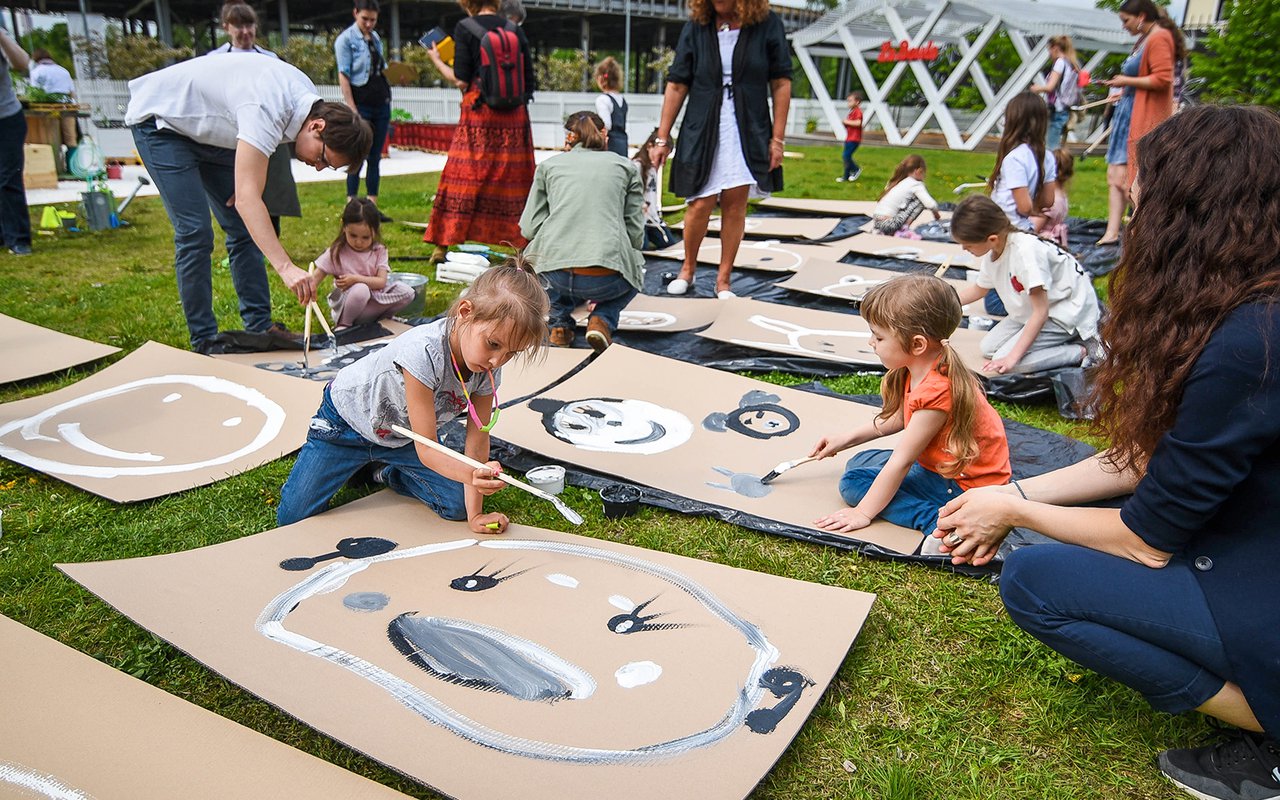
(284, 22)
(661, 82)
(395, 29)
(586, 52)
(164, 22)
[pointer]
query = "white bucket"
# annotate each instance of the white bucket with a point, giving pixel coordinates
(549, 478)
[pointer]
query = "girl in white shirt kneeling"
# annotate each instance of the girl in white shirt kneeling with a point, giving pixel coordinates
(1052, 308)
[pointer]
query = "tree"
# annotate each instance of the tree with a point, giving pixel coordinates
(1240, 60)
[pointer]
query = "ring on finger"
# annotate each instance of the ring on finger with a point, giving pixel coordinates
(953, 539)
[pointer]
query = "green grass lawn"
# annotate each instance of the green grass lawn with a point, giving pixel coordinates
(942, 697)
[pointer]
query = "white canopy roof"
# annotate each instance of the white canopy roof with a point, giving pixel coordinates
(1089, 28)
(859, 27)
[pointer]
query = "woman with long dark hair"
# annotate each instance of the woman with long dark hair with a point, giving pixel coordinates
(1174, 593)
(731, 61)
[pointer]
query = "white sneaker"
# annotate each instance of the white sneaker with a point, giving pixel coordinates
(725, 294)
(856, 175)
(678, 286)
(840, 179)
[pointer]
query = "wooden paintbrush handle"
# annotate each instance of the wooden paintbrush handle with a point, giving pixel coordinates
(466, 459)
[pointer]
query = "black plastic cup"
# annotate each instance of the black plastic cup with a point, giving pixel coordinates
(619, 500)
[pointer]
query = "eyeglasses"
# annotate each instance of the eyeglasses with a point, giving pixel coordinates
(324, 157)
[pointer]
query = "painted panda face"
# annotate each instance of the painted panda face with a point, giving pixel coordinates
(614, 425)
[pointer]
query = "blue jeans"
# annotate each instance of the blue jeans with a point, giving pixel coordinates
(916, 503)
(334, 452)
(379, 118)
(850, 166)
(1149, 629)
(15, 221)
(1057, 127)
(193, 179)
(567, 290)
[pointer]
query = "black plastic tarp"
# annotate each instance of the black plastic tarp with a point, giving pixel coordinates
(1035, 452)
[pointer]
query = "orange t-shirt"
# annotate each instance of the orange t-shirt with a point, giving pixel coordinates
(991, 467)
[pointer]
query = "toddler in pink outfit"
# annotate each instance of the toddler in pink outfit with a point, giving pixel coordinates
(357, 260)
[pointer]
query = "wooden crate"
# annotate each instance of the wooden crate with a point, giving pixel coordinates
(39, 171)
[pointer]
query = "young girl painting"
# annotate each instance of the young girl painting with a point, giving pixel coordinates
(1052, 309)
(1025, 177)
(357, 260)
(952, 441)
(424, 378)
(904, 198)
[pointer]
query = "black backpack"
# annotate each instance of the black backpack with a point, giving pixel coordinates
(501, 73)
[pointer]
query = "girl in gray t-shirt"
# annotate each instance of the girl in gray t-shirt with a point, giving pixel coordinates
(426, 377)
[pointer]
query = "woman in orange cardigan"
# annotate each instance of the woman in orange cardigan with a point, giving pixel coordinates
(1160, 47)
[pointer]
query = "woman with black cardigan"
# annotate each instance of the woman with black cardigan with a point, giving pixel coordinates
(731, 60)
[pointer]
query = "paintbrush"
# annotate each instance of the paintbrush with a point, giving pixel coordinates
(785, 466)
(565, 511)
(942, 270)
(324, 323)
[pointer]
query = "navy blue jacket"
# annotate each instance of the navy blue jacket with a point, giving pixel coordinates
(1212, 492)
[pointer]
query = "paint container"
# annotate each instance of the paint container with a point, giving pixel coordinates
(668, 277)
(620, 500)
(419, 284)
(549, 478)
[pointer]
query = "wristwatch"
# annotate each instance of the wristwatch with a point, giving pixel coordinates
(660, 142)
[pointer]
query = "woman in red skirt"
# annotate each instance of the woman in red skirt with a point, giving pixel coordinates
(486, 180)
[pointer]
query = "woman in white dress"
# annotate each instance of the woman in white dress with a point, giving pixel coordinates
(732, 60)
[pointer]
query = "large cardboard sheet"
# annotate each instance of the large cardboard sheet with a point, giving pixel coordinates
(835, 208)
(763, 256)
(159, 421)
(75, 728)
(873, 244)
(808, 333)
(850, 282)
(31, 351)
(322, 363)
(534, 664)
(647, 313)
(524, 376)
(699, 433)
(780, 227)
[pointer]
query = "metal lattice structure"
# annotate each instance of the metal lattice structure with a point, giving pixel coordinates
(861, 27)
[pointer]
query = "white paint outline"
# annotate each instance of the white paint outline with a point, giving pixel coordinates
(645, 320)
(793, 334)
(30, 428)
(24, 777)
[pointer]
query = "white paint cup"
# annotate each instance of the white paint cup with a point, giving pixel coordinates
(549, 478)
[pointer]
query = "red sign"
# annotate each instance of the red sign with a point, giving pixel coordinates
(905, 52)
